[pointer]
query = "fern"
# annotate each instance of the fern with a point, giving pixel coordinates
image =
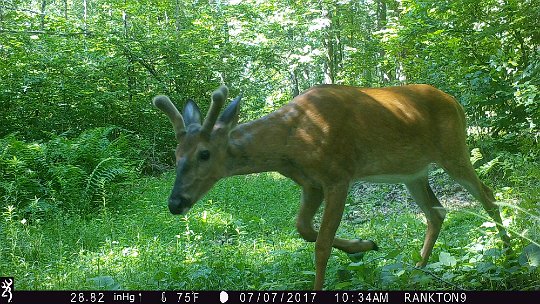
(67, 180)
(487, 167)
(72, 173)
(476, 156)
(105, 172)
(21, 172)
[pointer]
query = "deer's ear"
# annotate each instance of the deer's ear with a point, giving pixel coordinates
(191, 114)
(229, 117)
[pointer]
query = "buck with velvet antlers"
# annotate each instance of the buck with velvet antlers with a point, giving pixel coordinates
(324, 139)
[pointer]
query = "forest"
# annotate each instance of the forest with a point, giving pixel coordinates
(86, 161)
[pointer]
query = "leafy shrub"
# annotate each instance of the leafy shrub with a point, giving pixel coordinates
(21, 171)
(76, 174)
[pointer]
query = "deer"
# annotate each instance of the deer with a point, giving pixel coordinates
(325, 139)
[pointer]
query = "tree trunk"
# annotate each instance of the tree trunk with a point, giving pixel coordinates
(401, 75)
(385, 72)
(42, 17)
(1, 16)
(130, 71)
(177, 16)
(125, 21)
(524, 61)
(338, 59)
(294, 82)
(381, 14)
(85, 14)
(329, 62)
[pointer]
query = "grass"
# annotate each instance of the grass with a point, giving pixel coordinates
(242, 236)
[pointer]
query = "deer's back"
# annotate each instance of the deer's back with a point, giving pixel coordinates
(362, 132)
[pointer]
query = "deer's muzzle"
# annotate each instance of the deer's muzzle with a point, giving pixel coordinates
(179, 204)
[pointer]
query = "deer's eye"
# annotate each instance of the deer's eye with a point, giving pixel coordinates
(204, 155)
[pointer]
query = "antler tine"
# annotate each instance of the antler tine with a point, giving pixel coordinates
(163, 103)
(218, 99)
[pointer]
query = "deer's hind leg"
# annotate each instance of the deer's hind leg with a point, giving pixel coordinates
(463, 172)
(310, 202)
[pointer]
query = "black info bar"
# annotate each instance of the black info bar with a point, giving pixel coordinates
(240, 297)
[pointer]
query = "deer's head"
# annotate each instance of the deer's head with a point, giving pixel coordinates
(202, 147)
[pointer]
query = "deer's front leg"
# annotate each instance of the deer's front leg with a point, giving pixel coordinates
(310, 203)
(335, 203)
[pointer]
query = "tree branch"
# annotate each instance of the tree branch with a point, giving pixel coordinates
(46, 33)
(439, 278)
(21, 10)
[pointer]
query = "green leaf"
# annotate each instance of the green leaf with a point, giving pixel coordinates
(394, 253)
(356, 257)
(160, 275)
(448, 276)
(484, 267)
(493, 252)
(343, 285)
(447, 259)
(530, 256)
(416, 256)
(104, 282)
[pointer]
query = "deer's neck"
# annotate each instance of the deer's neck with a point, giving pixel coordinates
(258, 146)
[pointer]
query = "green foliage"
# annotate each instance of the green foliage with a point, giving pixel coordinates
(242, 236)
(530, 257)
(71, 71)
(22, 167)
(490, 66)
(77, 174)
(68, 73)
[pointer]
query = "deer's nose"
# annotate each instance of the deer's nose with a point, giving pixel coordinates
(179, 204)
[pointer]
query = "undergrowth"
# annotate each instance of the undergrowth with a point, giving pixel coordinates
(73, 216)
(77, 174)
